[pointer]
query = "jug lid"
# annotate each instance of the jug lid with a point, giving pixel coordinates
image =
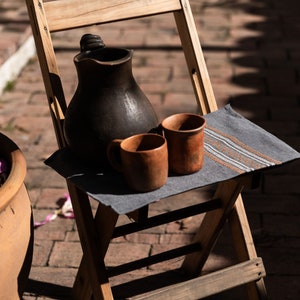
(89, 42)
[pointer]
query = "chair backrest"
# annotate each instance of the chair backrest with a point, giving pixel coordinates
(59, 15)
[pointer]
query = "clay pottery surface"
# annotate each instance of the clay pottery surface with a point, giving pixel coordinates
(108, 103)
(16, 231)
(185, 136)
(143, 160)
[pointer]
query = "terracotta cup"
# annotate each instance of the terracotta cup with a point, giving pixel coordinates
(185, 137)
(142, 158)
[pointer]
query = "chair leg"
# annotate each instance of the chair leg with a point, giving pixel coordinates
(105, 222)
(82, 288)
(92, 263)
(244, 246)
(211, 226)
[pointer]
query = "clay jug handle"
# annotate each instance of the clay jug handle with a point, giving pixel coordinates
(114, 155)
(158, 130)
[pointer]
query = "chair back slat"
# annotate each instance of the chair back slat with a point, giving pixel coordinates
(66, 14)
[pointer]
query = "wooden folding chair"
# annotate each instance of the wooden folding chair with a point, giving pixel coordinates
(96, 232)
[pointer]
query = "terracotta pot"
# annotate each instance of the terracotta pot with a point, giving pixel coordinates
(16, 226)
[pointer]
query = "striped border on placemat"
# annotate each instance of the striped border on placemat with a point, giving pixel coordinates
(232, 153)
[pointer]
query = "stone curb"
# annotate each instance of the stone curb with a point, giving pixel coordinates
(12, 67)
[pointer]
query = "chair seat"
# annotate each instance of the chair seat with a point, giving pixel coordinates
(233, 146)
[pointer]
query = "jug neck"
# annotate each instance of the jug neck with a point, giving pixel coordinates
(106, 66)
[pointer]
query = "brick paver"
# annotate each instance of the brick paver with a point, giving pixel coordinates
(252, 50)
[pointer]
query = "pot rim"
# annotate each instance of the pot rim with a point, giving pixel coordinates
(11, 152)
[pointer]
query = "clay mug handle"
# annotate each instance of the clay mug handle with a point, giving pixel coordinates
(114, 154)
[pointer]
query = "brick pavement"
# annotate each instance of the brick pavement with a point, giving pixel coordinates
(253, 57)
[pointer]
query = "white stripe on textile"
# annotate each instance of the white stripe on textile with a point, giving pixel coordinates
(233, 153)
(227, 159)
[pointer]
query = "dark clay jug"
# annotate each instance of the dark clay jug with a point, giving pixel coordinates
(108, 103)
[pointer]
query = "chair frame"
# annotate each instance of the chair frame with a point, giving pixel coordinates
(96, 232)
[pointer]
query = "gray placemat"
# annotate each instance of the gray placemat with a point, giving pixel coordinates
(233, 146)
